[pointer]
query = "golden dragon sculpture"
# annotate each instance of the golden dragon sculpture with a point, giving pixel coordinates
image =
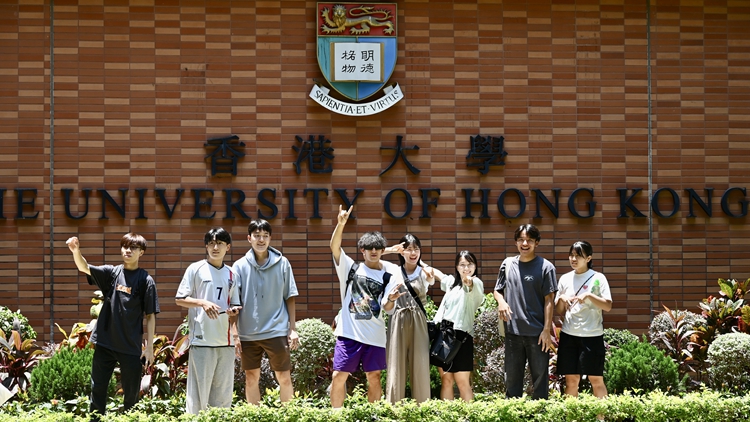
(362, 16)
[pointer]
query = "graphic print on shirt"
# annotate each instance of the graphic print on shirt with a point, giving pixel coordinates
(366, 292)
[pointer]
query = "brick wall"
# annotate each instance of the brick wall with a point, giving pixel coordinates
(139, 88)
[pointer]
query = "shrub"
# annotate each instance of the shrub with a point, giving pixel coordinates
(729, 356)
(672, 333)
(640, 367)
(17, 359)
(486, 334)
(614, 338)
(167, 375)
(10, 320)
(491, 378)
(663, 323)
(312, 361)
(64, 376)
(487, 342)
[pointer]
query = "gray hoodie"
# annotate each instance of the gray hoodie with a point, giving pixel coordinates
(263, 293)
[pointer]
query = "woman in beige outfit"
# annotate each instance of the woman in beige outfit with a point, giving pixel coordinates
(408, 347)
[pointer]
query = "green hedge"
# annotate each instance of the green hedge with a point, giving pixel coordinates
(703, 406)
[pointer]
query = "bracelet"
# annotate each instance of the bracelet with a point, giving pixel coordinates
(392, 301)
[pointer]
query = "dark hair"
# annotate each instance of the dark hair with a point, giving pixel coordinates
(219, 234)
(531, 231)
(372, 240)
(133, 240)
(408, 240)
(259, 224)
(472, 260)
(584, 249)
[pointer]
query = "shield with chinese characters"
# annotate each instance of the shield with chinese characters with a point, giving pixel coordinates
(357, 46)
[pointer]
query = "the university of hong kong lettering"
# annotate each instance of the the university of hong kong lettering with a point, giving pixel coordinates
(317, 152)
(510, 203)
(486, 151)
(357, 50)
(398, 203)
(225, 154)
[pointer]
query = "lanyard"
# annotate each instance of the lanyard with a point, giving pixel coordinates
(584, 283)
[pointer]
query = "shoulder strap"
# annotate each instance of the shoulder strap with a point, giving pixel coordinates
(584, 283)
(412, 292)
(352, 273)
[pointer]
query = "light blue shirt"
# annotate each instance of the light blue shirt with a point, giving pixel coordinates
(264, 290)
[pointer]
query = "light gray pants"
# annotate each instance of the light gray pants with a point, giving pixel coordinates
(210, 378)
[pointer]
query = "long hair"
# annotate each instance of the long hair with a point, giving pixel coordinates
(410, 240)
(583, 249)
(472, 260)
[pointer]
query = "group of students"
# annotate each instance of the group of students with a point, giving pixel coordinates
(248, 309)
(245, 310)
(527, 293)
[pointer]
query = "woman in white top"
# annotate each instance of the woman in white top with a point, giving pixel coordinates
(582, 295)
(464, 293)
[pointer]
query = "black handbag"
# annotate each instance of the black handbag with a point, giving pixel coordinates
(446, 344)
(433, 329)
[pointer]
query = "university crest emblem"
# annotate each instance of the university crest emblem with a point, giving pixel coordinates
(357, 50)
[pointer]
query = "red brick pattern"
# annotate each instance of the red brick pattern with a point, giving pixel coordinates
(140, 86)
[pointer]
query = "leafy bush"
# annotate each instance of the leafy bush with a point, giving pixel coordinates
(663, 322)
(486, 334)
(17, 359)
(312, 361)
(491, 377)
(10, 321)
(724, 314)
(64, 376)
(672, 333)
(487, 342)
(614, 338)
(79, 335)
(729, 356)
(654, 407)
(640, 367)
(167, 375)
(430, 308)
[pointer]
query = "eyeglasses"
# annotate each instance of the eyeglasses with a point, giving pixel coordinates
(466, 266)
(521, 241)
(213, 244)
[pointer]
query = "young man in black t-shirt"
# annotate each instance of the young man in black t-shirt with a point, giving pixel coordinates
(129, 294)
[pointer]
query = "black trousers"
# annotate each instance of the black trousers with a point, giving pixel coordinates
(102, 368)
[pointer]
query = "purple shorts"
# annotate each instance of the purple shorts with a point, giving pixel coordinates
(350, 353)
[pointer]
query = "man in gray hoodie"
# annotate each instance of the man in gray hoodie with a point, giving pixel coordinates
(267, 319)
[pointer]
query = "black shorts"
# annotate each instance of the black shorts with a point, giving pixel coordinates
(580, 355)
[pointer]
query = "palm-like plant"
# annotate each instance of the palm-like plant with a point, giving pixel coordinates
(17, 358)
(168, 373)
